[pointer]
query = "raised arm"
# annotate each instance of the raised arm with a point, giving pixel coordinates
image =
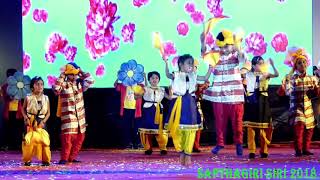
(59, 84)
(276, 73)
(168, 74)
(86, 79)
(207, 76)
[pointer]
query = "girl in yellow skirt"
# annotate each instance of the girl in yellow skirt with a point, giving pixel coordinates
(36, 112)
(152, 115)
(182, 121)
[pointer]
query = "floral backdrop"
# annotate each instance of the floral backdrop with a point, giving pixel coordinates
(100, 35)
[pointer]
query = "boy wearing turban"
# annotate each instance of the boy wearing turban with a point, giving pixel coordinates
(70, 87)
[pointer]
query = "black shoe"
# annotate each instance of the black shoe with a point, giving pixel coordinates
(75, 161)
(62, 162)
(196, 150)
(298, 153)
(148, 152)
(307, 153)
(264, 155)
(27, 164)
(45, 164)
(252, 156)
(163, 152)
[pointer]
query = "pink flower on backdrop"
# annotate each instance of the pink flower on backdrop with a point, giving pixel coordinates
(56, 43)
(169, 49)
(26, 5)
(197, 17)
(26, 62)
(51, 80)
(40, 15)
(255, 44)
(139, 3)
(100, 71)
(280, 42)
(127, 32)
(214, 7)
(189, 7)
(175, 61)
(36, 15)
(183, 28)
(70, 53)
(210, 41)
(115, 43)
(50, 58)
(100, 30)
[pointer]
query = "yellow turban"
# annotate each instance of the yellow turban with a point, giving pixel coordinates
(70, 69)
(228, 38)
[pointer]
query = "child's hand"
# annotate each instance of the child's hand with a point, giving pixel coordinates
(165, 58)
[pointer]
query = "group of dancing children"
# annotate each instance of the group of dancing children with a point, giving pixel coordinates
(236, 95)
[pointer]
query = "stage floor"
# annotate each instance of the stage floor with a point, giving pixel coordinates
(133, 164)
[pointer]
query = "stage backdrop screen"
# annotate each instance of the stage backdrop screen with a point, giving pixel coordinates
(100, 35)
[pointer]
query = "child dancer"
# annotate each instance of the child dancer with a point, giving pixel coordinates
(70, 87)
(36, 112)
(182, 121)
(299, 86)
(257, 110)
(152, 121)
(13, 119)
(226, 93)
(130, 111)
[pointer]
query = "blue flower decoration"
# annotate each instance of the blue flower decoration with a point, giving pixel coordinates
(131, 73)
(18, 85)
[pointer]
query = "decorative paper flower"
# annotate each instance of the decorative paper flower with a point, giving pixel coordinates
(50, 58)
(40, 15)
(51, 80)
(197, 17)
(70, 53)
(255, 44)
(175, 61)
(100, 70)
(18, 85)
(210, 41)
(127, 32)
(139, 3)
(26, 62)
(183, 28)
(115, 43)
(190, 7)
(214, 6)
(99, 24)
(131, 73)
(169, 49)
(26, 5)
(56, 43)
(280, 42)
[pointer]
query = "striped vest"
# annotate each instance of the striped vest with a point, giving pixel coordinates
(72, 108)
(300, 104)
(227, 83)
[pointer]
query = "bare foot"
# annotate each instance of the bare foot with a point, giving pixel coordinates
(187, 160)
(182, 159)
